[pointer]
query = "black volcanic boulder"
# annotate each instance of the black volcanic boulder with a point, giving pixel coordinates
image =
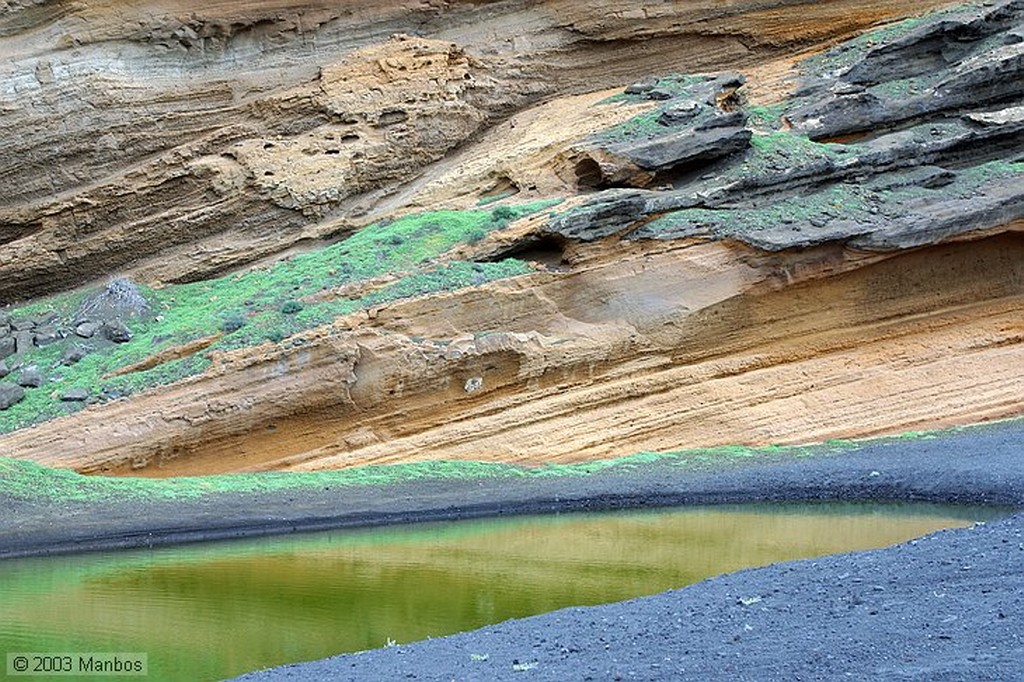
(75, 395)
(44, 336)
(116, 331)
(73, 354)
(10, 394)
(87, 330)
(46, 319)
(30, 377)
(25, 340)
(705, 143)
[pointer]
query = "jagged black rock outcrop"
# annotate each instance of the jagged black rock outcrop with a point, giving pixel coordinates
(10, 394)
(964, 60)
(698, 123)
(935, 108)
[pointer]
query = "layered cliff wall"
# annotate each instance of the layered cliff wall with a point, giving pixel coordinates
(820, 239)
(175, 140)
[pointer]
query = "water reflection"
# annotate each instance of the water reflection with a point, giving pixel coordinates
(211, 611)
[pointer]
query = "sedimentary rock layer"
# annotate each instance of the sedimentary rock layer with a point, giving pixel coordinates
(658, 347)
(779, 254)
(172, 140)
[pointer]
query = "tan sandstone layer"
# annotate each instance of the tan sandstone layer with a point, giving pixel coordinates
(646, 347)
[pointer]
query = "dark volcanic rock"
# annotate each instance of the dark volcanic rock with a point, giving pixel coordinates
(640, 88)
(44, 320)
(938, 109)
(4, 369)
(10, 394)
(686, 147)
(44, 336)
(658, 94)
(921, 224)
(30, 377)
(87, 330)
(609, 214)
(933, 47)
(75, 395)
(73, 354)
(24, 341)
(953, 62)
(8, 346)
(116, 331)
(109, 393)
(22, 325)
(679, 113)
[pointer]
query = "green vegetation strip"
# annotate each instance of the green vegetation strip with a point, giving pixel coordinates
(646, 125)
(31, 482)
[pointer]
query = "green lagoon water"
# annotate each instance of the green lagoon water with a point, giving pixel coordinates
(206, 612)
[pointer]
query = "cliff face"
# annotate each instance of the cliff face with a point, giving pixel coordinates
(174, 140)
(820, 241)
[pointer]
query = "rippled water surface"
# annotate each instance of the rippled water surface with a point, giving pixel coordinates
(205, 612)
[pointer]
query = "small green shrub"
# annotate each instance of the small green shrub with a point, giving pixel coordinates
(291, 307)
(503, 214)
(232, 323)
(483, 201)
